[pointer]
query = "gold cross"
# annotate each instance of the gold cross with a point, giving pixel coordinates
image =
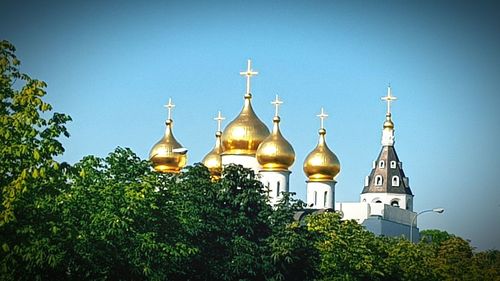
(389, 98)
(277, 102)
(219, 119)
(170, 106)
(322, 116)
(249, 73)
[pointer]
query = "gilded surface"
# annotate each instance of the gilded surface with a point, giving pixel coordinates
(245, 133)
(163, 155)
(275, 152)
(213, 159)
(321, 163)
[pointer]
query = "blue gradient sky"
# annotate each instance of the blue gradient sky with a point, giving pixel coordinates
(112, 66)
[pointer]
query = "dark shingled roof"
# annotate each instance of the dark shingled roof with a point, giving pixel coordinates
(387, 154)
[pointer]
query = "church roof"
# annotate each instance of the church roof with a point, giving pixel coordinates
(387, 175)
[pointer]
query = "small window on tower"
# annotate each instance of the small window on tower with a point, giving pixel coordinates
(395, 203)
(324, 199)
(315, 198)
(278, 189)
(381, 164)
(395, 181)
(393, 164)
(378, 180)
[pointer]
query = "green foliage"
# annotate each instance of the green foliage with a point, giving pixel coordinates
(28, 141)
(348, 252)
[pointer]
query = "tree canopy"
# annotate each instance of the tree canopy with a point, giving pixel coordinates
(114, 218)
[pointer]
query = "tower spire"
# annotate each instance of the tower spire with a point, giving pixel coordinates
(389, 98)
(388, 128)
(248, 73)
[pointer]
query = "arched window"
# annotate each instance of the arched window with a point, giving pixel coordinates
(395, 203)
(395, 181)
(324, 199)
(278, 189)
(393, 164)
(381, 164)
(315, 198)
(378, 201)
(378, 180)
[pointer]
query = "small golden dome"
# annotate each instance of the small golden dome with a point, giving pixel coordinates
(168, 155)
(388, 122)
(245, 133)
(275, 153)
(321, 164)
(213, 159)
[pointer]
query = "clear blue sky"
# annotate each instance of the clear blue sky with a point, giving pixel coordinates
(113, 65)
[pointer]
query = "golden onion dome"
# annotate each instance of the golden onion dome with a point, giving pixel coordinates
(275, 153)
(245, 133)
(168, 155)
(388, 122)
(321, 164)
(213, 159)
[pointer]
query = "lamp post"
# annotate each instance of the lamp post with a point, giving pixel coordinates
(435, 210)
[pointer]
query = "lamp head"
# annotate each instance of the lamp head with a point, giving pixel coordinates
(438, 210)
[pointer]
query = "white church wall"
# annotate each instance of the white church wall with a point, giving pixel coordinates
(276, 182)
(320, 194)
(247, 161)
(404, 201)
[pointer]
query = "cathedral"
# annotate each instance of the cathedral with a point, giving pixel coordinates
(386, 201)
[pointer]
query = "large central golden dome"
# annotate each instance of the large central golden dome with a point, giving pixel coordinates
(321, 164)
(275, 153)
(245, 133)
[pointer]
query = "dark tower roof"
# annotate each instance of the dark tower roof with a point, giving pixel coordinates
(387, 176)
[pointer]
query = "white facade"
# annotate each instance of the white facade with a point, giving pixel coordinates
(362, 211)
(403, 201)
(320, 194)
(247, 161)
(275, 182)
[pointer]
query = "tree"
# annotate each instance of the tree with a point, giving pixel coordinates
(30, 178)
(348, 252)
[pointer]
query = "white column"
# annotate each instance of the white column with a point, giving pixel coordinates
(276, 182)
(321, 194)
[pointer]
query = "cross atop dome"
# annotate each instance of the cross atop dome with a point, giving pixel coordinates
(170, 106)
(322, 116)
(219, 120)
(277, 102)
(389, 98)
(248, 73)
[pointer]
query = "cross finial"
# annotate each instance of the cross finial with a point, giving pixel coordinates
(249, 73)
(322, 116)
(277, 102)
(389, 98)
(219, 120)
(170, 106)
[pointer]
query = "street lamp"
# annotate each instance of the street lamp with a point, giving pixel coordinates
(435, 210)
